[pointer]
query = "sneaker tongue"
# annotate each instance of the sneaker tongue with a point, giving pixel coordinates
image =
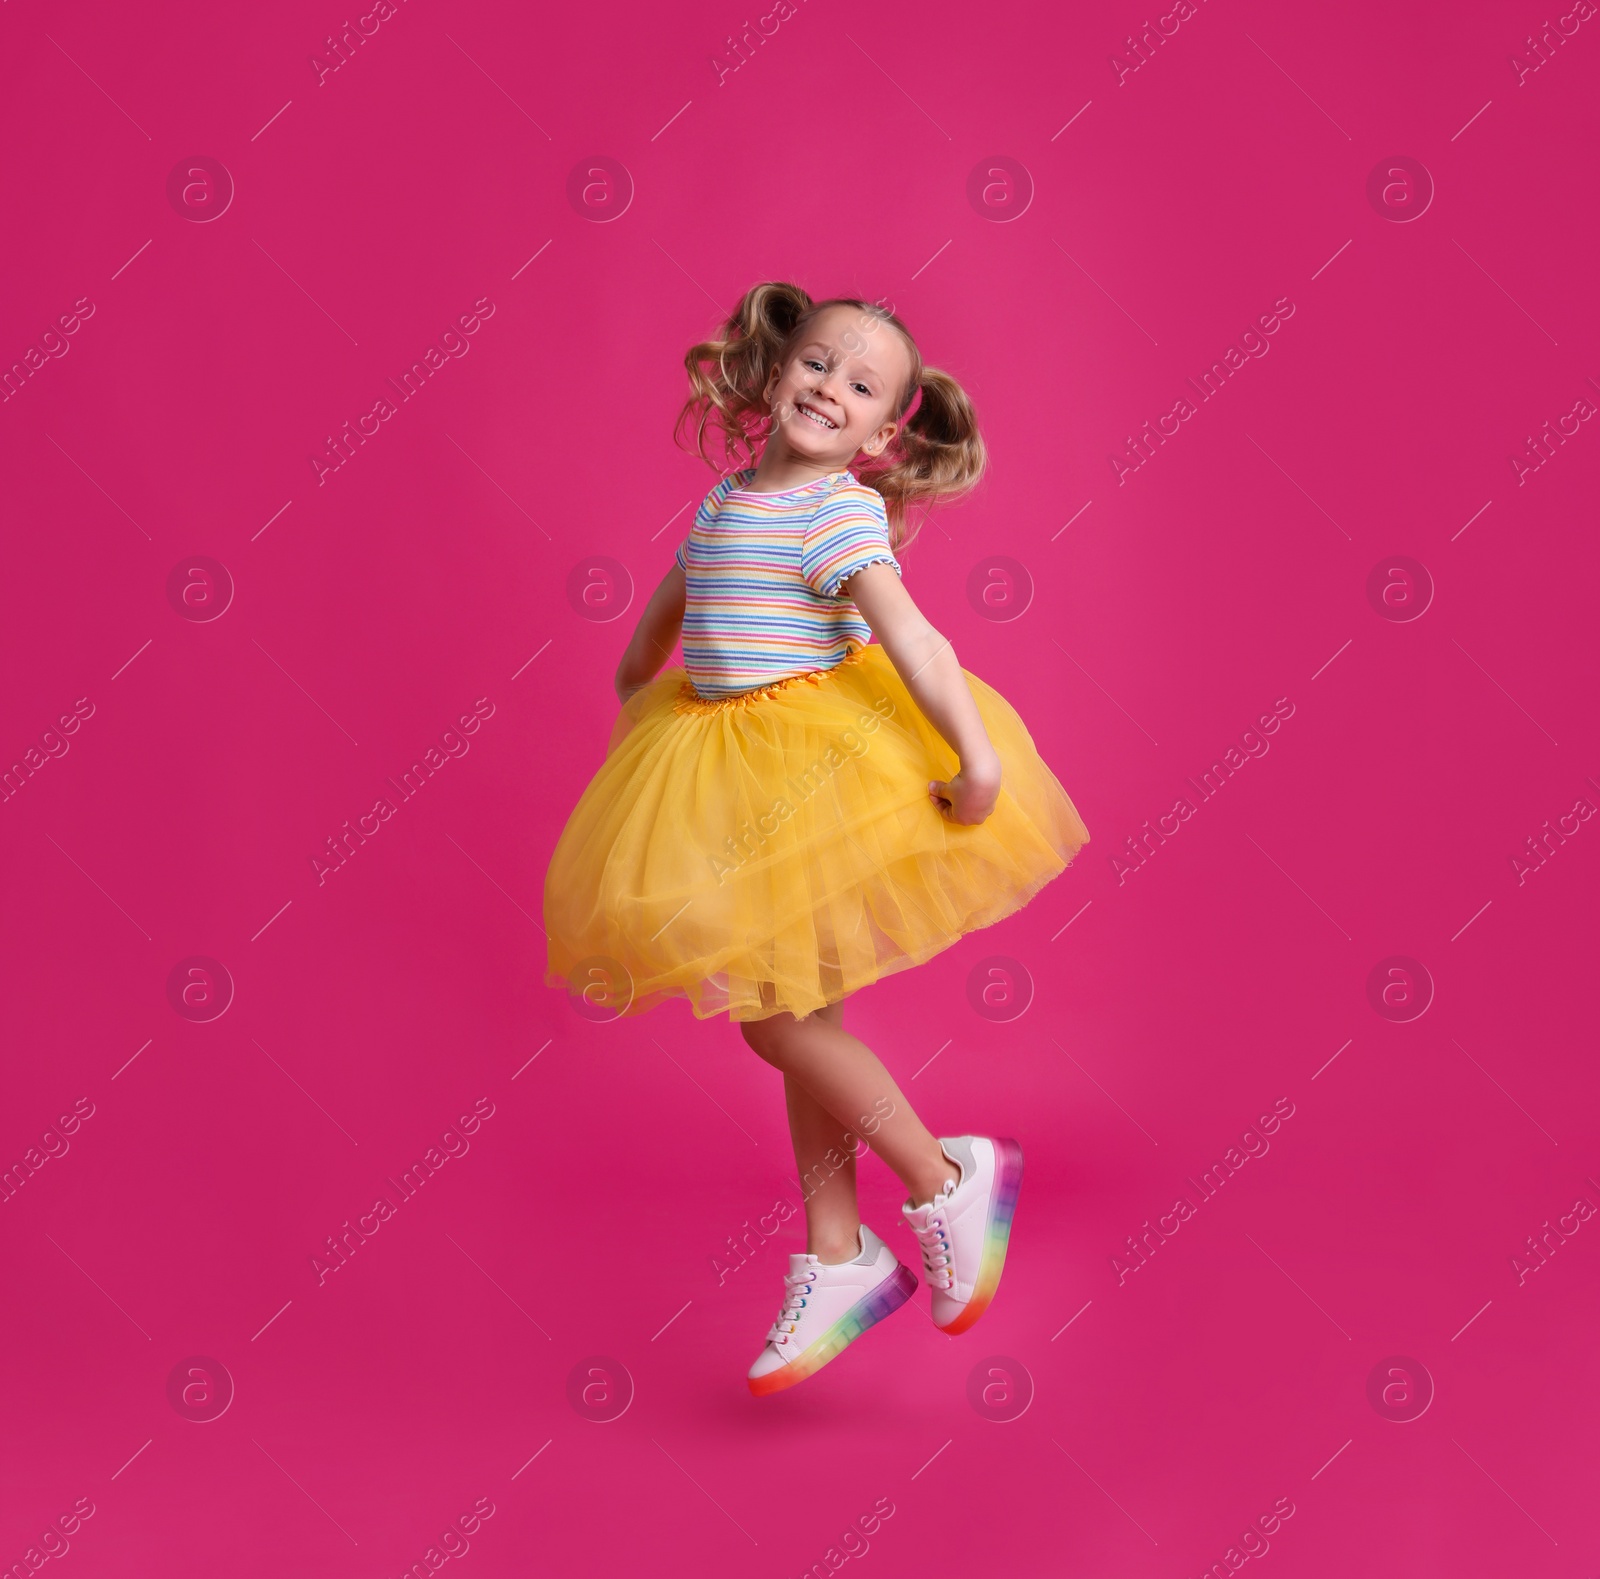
(799, 1261)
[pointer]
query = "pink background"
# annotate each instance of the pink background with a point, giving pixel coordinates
(1170, 1008)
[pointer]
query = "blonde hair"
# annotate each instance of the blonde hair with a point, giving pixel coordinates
(937, 454)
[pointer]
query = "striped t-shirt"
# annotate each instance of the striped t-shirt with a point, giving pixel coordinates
(763, 573)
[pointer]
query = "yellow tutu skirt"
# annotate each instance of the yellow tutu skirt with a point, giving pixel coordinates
(777, 850)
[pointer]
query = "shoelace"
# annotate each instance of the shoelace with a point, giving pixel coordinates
(795, 1286)
(934, 1237)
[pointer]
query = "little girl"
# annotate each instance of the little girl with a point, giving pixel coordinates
(799, 811)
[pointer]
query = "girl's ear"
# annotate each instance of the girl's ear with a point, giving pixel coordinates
(881, 440)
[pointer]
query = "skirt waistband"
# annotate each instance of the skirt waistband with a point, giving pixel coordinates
(690, 700)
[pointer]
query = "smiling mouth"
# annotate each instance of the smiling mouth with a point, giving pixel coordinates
(817, 417)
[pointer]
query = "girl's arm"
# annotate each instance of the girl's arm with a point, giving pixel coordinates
(927, 664)
(654, 636)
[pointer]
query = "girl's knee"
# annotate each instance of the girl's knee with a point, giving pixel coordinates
(766, 1038)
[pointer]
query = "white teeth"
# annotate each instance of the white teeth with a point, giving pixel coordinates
(821, 421)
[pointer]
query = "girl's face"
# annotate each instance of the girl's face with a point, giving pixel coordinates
(835, 394)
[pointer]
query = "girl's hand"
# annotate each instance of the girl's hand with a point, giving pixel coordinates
(969, 797)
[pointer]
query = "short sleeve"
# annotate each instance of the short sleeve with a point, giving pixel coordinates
(705, 515)
(849, 532)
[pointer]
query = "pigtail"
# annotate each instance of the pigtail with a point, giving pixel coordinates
(938, 454)
(728, 374)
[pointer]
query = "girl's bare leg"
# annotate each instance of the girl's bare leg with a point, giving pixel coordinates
(845, 1080)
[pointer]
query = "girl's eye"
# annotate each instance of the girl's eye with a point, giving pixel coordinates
(861, 389)
(811, 361)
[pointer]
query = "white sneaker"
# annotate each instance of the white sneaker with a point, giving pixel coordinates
(826, 1308)
(965, 1228)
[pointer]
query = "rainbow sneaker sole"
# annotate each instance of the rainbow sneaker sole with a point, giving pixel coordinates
(997, 1233)
(883, 1301)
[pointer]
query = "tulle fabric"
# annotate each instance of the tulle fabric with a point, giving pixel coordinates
(778, 850)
